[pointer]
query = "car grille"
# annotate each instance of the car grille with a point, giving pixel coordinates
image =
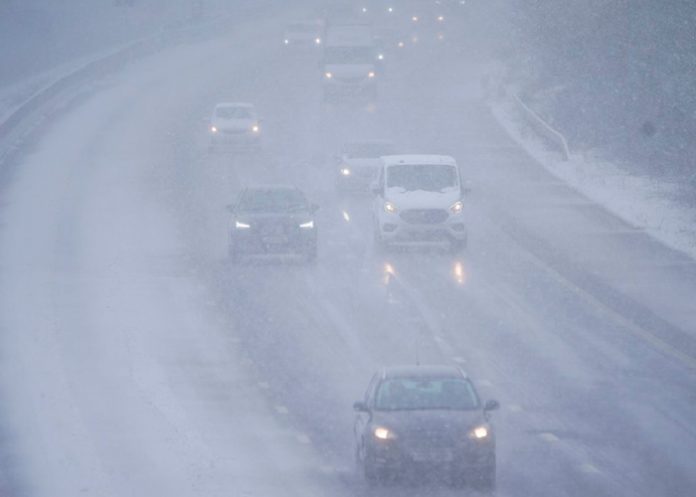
(234, 131)
(430, 439)
(424, 216)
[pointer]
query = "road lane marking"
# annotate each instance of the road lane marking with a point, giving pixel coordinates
(459, 360)
(302, 438)
(589, 468)
(548, 437)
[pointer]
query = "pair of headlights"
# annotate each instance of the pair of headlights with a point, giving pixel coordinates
(381, 433)
(254, 129)
(329, 74)
(308, 225)
(455, 208)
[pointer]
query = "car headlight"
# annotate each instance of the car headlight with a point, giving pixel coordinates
(286, 41)
(213, 129)
(345, 171)
(479, 433)
(380, 56)
(390, 9)
(389, 207)
(328, 75)
(307, 225)
(414, 18)
(382, 433)
(317, 41)
(371, 74)
(241, 226)
(255, 128)
(457, 207)
(440, 18)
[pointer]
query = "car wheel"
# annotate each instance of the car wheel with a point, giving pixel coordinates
(457, 246)
(380, 245)
(233, 255)
(484, 480)
(311, 253)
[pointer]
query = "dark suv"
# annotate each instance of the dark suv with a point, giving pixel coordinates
(428, 418)
(272, 220)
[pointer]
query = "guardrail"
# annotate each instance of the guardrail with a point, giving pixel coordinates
(542, 127)
(25, 118)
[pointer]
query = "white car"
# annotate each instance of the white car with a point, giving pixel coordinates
(348, 62)
(234, 124)
(359, 164)
(419, 201)
(305, 33)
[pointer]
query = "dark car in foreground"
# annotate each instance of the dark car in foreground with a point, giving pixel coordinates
(427, 418)
(275, 220)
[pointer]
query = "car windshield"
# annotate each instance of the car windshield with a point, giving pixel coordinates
(302, 28)
(272, 200)
(400, 394)
(430, 177)
(349, 55)
(233, 113)
(367, 150)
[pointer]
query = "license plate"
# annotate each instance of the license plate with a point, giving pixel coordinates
(442, 455)
(275, 240)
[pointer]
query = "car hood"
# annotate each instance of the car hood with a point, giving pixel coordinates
(419, 422)
(421, 199)
(363, 162)
(349, 70)
(233, 123)
(299, 216)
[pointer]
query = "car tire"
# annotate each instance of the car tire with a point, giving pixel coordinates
(484, 479)
(457, 246)
(233, 255)
(380, 244)
(311, 254)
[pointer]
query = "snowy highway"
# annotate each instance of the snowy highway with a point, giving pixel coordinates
(137, 361)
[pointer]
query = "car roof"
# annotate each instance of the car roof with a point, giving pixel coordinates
(353, 35)
(419, 159)
(368, 142)
(424, 371)
(245, 105)
(270, 186)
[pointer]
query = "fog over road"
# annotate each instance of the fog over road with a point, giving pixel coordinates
(136, 360)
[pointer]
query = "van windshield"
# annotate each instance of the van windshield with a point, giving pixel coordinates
(348, 55)
(427, 177)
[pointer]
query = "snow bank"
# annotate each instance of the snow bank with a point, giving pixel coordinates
(644, 202)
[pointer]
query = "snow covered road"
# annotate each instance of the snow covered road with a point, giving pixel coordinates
(136, 361)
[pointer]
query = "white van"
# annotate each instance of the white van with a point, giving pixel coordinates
(348, 62)
(419, 201)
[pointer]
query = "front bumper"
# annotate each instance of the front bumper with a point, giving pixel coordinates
(466, 458)
(235, 138)
(395, 230)
(252, 242)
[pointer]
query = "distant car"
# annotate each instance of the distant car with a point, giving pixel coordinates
(419, 201)
(272, 220)
(425, 417)
(234, 124)
(349, 62)
(305, 33)
(359, 164)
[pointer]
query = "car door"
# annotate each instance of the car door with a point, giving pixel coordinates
(362, 419)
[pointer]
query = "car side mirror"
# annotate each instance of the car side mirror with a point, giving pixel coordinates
(360, 407)
(491, 405)
(466, 187)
